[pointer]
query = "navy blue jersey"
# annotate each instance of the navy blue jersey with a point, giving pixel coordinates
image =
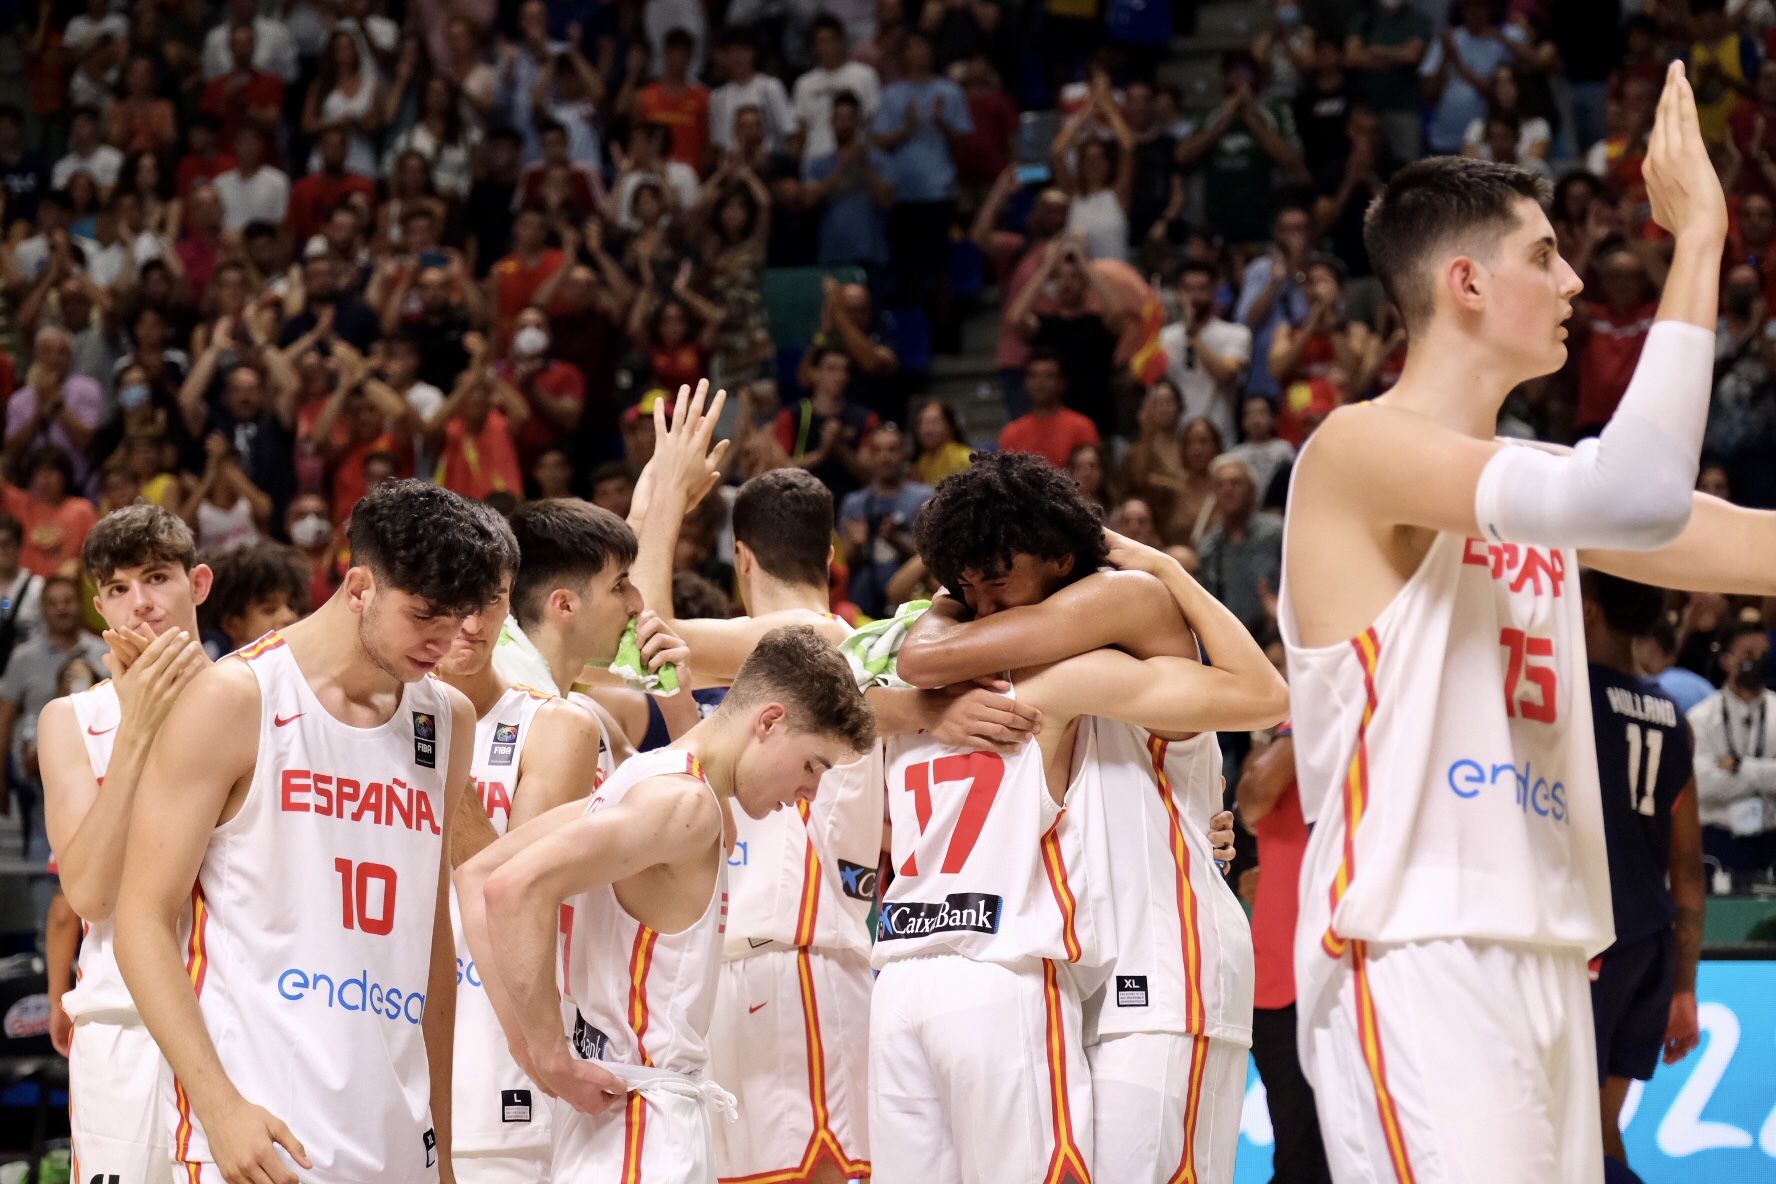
(1643, 764)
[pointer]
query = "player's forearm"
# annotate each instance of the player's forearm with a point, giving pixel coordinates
(657, 532)
(1232, 649)
(901, 711)
(1692, 286)
(943, 648)
(520, 928)
(148, 956)
(61, 941)
(91, 865)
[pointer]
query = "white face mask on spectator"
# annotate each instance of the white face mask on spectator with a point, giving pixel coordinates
(530, 342)
(310, 530)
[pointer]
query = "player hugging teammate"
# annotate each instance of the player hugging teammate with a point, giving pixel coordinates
(296, 988)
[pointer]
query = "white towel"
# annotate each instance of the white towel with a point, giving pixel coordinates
(643, 1080)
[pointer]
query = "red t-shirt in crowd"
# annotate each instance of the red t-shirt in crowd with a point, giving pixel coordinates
(1607, 358)
(1282, 841)
(557, 380)
(476, 463)
(314, 198)
(194, 168)
(676, 366)
(53, 534)
(1052, 437)
(516, 282)
(348, 470)
(231, 107)
(686, 112)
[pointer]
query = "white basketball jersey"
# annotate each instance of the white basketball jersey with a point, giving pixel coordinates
(311, 933)
(1183, 945)
(644, 997)
(807, 876)
(98, 984)
(1445, 755)
(495, 1107)
(987, 864)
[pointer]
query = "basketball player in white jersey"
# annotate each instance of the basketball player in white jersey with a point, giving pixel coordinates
(1167, 1036)
(533, 751)
(282, 922)
(790, 1034)
(643, 867)
(92, 746)
(993, 931)
(570, 602)
(1456, 879)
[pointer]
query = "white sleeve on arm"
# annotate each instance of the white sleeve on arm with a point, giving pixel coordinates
(1632, 487)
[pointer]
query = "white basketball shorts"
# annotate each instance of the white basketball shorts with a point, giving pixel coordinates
(1455, 1062)
(977, 1074)
(790, 1039)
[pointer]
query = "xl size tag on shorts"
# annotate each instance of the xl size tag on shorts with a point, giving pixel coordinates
(1131, 990)
(431, 1148)
(514, 1105)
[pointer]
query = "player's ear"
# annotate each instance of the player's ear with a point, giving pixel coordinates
(1465, 281)
(771, 717)
(202, 580)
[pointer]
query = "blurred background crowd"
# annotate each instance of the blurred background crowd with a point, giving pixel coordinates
(259, 256)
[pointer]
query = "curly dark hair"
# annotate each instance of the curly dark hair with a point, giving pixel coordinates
(247, 575)
(1003, 505)
(428, 542)
(561, 542)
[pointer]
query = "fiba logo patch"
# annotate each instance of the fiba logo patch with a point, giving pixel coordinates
(857, 881)
(425, 740)
(505, 744)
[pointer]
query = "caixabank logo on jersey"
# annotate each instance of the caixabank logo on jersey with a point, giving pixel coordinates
(969, 912)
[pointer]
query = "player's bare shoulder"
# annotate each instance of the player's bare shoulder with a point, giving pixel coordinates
(678, 811)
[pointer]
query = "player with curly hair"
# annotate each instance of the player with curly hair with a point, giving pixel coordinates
(1003, 917)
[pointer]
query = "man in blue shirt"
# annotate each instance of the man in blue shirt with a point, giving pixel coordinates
(1457, 73)
(877, 521)
(920, 124)
(853, 183)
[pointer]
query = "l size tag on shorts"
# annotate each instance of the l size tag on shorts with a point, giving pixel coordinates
(514, 1105)
(1131, 990)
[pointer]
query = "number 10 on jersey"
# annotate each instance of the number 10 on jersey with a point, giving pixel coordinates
(363, 886)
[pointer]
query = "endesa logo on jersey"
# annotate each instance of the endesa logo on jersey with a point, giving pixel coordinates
(357, 993)
(380, 803)
(971, 912)
(1530, 791)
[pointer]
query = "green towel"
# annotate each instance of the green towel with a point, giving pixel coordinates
(633, 671)
(872, 650)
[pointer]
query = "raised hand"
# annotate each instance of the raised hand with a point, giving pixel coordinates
(683, 458)
(1680, 179)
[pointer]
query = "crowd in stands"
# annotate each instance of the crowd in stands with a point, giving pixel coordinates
(259, 256)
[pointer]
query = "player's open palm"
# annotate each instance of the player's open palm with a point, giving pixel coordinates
(1680, 179)
(682, 448)
(148, 686)
(244, 1140)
